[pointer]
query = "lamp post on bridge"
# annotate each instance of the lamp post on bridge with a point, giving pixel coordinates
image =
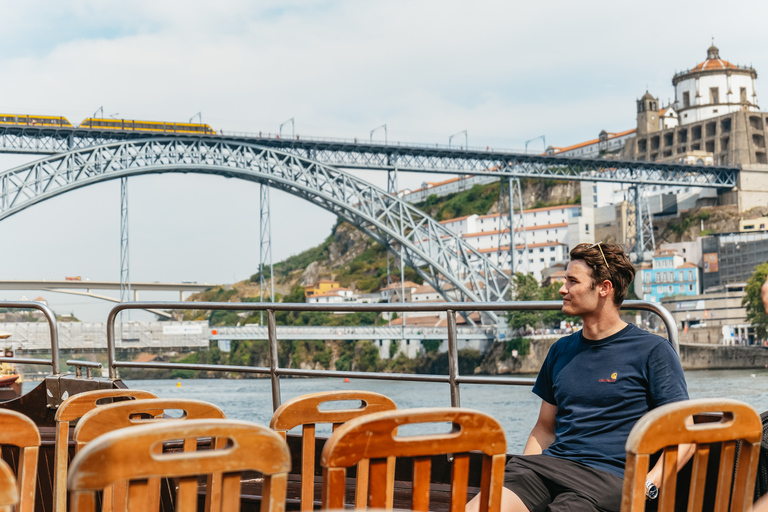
(543, 139)
(293, 129)
(466, 138)
(385, 132)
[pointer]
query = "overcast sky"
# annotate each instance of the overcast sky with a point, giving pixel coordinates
(505, 71)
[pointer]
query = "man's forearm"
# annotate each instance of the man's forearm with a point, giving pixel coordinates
(684, 453)
(538, 441)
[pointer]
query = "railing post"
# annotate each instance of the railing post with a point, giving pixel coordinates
(453, 359)
(273, 358)
(111, 352)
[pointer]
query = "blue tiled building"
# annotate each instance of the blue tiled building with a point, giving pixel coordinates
(669, 275)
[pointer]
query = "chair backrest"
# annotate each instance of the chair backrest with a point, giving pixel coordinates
(111, 417)
(137, 412)
(70, 410)
(664, 428)
(305, 411)
(9, 494)
(375, 437)
(132, 455)
(18, 430)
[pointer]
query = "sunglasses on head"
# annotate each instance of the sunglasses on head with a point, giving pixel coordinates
(599, 246)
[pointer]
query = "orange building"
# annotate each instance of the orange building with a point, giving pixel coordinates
(322, 286)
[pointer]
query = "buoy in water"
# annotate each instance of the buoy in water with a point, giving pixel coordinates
(346, 380)
(178, 384)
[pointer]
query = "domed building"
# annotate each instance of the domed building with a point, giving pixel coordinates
(713, 88)
(713, 120)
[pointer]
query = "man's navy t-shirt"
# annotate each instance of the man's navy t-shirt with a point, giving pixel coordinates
(601, 388)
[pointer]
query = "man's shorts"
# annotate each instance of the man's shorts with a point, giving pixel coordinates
(542, 480)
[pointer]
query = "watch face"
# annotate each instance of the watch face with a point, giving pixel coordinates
(651, 490)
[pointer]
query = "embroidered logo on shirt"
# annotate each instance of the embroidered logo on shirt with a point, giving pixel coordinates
(612, 379)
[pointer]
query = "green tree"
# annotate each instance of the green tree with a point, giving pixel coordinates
(753, 301)
(526, 289)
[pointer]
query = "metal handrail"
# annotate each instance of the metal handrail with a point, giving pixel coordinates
(274, 371)
(79, 365)
(375, 142)
(52, 325)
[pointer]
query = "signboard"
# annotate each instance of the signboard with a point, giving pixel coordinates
(691, 304)
(710, 263)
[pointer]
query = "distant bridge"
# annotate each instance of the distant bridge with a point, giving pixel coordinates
(426, 158)
(158, 336)
(67, 285)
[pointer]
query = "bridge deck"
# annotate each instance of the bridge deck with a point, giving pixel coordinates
(351, 153)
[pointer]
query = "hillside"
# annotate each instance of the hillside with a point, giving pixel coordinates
(701, 222)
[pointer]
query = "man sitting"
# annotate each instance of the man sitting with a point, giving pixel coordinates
(594, 385)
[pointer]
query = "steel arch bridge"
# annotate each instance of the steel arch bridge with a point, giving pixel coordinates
(424, 158)
(454, 268)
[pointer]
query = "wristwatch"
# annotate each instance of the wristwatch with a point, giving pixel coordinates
(651, 491)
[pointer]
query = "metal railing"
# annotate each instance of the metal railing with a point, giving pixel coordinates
(374, 142)
(54, 331)
(453, 379)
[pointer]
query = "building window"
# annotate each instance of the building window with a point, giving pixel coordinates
(714, 95)
(670, 288)
(690, 275)
(690, 287)
(686, 99)
(743, 94)
(659, 289)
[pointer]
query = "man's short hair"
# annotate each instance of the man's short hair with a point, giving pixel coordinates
(614, 267)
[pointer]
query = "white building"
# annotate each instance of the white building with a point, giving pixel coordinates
(443, 188)
(605, 143)
(713, 88)
(335, 296)
(546, 236)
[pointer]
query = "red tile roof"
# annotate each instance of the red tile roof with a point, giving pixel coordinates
(594, 141)
(714, 64)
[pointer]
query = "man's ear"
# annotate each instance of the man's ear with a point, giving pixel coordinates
(605, 288)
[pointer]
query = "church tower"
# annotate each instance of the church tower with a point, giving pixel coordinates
(647, 114)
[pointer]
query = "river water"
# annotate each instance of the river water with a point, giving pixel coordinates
(515, 407)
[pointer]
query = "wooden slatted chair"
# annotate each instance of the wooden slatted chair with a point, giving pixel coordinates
(73, 409)
(375, 437)
(121, 415)
(305, 411)
(664, 428)
(9, 494)
(18, 430)
(130, 455)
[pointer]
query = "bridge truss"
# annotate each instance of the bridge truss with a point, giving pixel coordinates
(445, 261)
(351, 154)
